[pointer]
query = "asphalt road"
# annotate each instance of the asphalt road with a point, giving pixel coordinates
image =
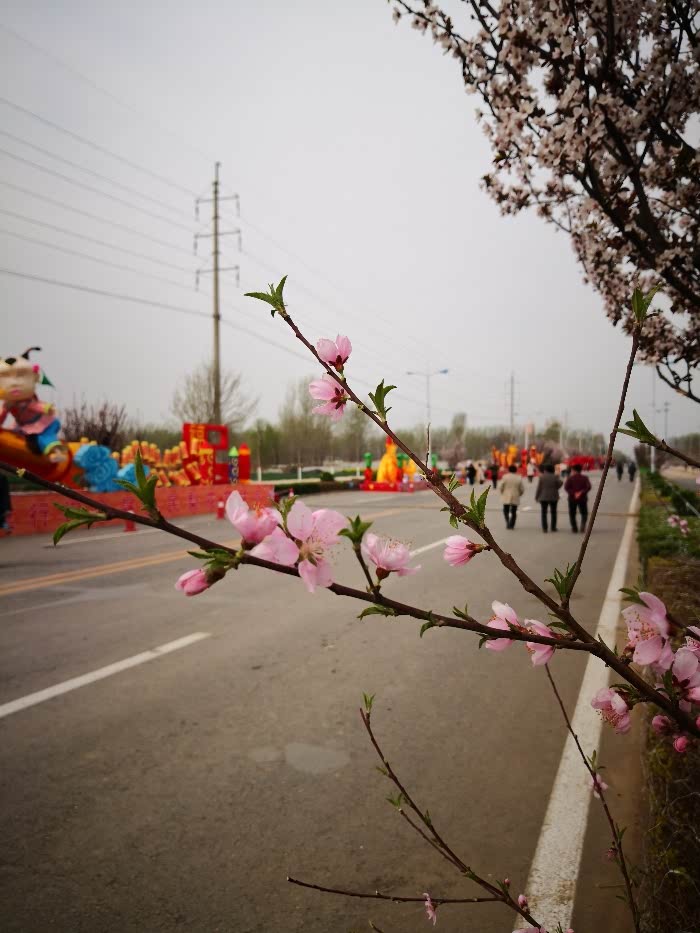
(178, 794)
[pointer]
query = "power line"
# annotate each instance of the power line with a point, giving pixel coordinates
(169, 307)
(110, 223)
(101, 291)
(102, 262)
(88, 171)
(81, 236)
(148, 117)
(104, 194)
(96, 146)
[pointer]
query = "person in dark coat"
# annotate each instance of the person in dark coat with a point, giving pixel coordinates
(5, 503)
(620, 467)
(547, 494)
(471, 473)
(631, 469)
(493, 469)
(577, 487)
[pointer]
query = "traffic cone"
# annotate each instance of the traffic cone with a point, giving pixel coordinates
(220, 513)
(129, 524)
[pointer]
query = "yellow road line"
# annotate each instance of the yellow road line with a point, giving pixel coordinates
(87, 573)
(121, 566)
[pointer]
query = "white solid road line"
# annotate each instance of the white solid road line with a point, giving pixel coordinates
(551, 886)
(427, 547)
(41, 695)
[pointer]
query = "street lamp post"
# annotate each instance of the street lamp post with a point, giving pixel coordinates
(427, 376)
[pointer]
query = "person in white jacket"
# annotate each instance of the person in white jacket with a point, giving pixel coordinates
(511, 489)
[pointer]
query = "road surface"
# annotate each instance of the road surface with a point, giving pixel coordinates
(179, 792)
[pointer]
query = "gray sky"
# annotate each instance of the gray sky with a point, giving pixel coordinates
(357, 158)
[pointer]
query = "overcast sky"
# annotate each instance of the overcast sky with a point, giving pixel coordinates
(357, 158)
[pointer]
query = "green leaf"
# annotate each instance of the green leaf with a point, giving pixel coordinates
(78, 517)
(274, 297)
(637, 429)
(368, 700)
(631, 594)
(261, 296)
(378, 611)
(641, 302)
(379, 399)
(356, 531)
(562, 582)
(453, 521)
(431, 623)
(396, 801)
(477, 508)
(462, 614)
(453, 483)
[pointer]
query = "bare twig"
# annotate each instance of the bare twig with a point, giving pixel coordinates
(616, 834)
(606, 469)
(499, 894)
(395, 898)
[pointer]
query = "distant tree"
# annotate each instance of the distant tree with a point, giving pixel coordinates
(590, 108)
(304, 437)
(552, 431)
(194, 400)
(106, 423)
(264, 442)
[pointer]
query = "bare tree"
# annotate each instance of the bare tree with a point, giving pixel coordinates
(105, 423)
(589, 106)
(194, 401)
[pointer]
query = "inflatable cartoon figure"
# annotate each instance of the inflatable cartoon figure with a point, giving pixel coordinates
(34, 419)
(388, 465)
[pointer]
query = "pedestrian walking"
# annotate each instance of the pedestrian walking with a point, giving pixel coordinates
(5, 503)
(620, 467)
(631, 469)
(547, 494)
(493, 469)
(471, 472)
(530, 470)
(511, 490)
(577, 487)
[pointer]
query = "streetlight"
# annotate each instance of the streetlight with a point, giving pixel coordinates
(427, 377)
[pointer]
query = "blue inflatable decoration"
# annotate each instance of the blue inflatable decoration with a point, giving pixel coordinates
(99, 467)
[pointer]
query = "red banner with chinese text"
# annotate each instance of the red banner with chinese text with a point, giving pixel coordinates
(34, 513)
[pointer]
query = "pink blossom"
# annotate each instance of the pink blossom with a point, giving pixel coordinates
(522, 902)
(647, 629)
(335, 353)
(680, 744)
(503, 618)
(312, 533)
(692, 644)
(673, 520)
(460, 550)
(683, 526)
(430, 908)
(686, 676)
(540, 654)
(277, 548)
(387, 555)
(613, 709)
(661, 725)
(327, 390)
(252, 524)
(193, 582)
(664, 661)
(597, 785)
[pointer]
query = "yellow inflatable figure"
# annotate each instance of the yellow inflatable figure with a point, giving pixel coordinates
(388, 465)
